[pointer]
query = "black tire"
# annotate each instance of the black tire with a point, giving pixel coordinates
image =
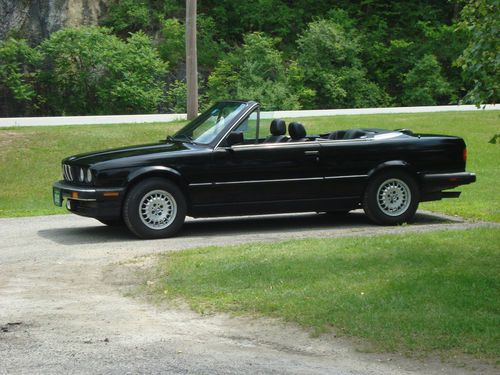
(154, 208)
(391, 198)
(112, 222)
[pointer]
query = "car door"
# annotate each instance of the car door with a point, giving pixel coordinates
(264, 172)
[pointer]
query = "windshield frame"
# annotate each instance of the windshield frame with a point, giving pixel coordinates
(188, 128)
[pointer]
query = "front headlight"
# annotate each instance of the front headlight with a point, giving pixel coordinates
(89, 176)
(81, 175)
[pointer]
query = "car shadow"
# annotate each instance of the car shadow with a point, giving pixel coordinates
(234, 226)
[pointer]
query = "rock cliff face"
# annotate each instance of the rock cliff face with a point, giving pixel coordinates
(36, 19)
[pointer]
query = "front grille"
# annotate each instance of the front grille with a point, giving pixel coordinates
(69, 173)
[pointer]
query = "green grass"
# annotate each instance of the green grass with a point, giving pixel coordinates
(30, 157)
(414, 293)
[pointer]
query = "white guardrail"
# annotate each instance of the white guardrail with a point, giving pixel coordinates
(127, 119)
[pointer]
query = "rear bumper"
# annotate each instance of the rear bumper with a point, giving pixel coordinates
(89, 201)
(442, 181)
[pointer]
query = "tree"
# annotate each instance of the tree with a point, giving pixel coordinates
(329, 55)
(480, 61)
(191, 60)
(128, 16)
(90, 71)
(424, 84)
(256, 70)
(18, 76)
(172, 44)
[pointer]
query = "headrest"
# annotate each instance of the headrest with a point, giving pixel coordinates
(296, 130)
(278, 127)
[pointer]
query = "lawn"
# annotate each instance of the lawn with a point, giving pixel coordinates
(415, 293)
(30, 157)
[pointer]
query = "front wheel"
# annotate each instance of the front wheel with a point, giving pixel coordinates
(154, 208)
(391, 198)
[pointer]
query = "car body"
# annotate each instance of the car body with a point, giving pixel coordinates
(229, 161)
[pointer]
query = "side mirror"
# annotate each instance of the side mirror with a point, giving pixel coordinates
(234, 138)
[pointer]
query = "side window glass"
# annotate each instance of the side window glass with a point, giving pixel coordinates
(265, 128)
(249, 127)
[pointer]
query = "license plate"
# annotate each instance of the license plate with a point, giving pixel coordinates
(57, 197)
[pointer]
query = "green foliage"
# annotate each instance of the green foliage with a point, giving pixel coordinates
(210, 47)
(329, 56)
(480, 60)
(424, 84)
(350, 54)
(255, 70)
(18, 73)
(129, 15)
(172, 45)
(90, 71)
(176, 97)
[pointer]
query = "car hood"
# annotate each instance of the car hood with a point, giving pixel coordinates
(92, 158)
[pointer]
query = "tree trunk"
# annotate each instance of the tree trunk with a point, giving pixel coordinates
(191, 60)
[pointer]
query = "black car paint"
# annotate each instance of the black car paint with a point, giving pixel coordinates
(317, 175)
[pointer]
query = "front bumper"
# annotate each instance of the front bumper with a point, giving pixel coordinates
(101, 203)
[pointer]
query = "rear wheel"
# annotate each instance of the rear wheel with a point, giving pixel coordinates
(154, 208)
(391, 198)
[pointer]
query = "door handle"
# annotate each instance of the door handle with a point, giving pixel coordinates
(311, 152)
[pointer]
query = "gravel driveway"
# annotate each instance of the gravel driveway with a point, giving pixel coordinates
(62, 311)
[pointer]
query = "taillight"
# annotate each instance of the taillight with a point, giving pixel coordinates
(464, 154)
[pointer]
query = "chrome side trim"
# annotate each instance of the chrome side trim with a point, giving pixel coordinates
(267, 181)
(278, 180)
(350, 176)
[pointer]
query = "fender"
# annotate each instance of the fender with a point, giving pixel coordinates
(158, 170)
(390, 164)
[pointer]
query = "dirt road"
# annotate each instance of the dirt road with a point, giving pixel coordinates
(62, 311)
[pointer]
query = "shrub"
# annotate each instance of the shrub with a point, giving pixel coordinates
(329, 57)
(424, 84)
(90, 71)
(256, 70)
(18, 75)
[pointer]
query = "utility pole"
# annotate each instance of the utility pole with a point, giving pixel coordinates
(191, 60)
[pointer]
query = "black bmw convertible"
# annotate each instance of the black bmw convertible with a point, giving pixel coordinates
(229, 161)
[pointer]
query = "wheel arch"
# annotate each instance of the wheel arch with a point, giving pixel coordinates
(394, 165)
(168, 173)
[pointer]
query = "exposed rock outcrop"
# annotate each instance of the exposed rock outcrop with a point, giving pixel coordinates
(36, 19)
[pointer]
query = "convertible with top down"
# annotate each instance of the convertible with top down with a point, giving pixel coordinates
(229, 161)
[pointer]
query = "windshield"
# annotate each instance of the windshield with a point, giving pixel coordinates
(209, 124)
